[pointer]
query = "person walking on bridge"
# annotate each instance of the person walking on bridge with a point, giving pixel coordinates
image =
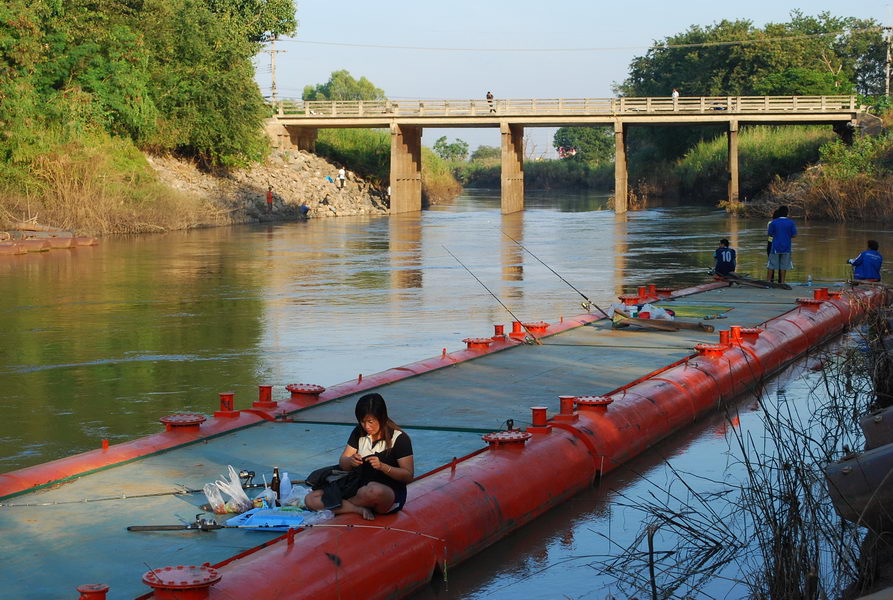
(490, 102)
(675, 96)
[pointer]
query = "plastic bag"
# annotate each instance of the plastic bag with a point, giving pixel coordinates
(265, 499)
(295, 496)
(656, 312)
(212, 493)
(318, 517)
(233, 488)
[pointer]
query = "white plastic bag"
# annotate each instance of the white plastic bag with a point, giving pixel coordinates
(233, 488)
(656, 312)
(318, 517)
(212, 493)
(295, 496)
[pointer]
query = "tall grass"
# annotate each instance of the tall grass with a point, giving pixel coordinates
(850, 183)
(94, 184)
(368, 152)
(764, 154)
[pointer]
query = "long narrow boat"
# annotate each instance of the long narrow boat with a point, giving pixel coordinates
(611, 394)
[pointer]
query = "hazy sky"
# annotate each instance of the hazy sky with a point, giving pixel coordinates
(611, 32)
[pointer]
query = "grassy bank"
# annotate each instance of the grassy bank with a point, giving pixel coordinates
(368, 153)
(849, 183)
(765, 153)
(94, 184)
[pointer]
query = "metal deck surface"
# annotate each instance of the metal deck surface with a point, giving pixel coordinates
(47, 551)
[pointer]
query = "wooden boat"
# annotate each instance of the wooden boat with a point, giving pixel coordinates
(597, 405)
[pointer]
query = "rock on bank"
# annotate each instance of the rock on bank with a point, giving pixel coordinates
(296, 177)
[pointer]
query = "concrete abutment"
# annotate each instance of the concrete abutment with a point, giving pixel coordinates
(512, 175)
(406, 168)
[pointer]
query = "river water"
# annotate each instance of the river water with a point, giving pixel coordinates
(99, 342)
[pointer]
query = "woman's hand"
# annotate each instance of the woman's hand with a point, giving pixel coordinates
(375, 463)
(356, 460)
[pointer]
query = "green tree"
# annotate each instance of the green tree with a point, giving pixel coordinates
(458, 150)
(260, 20)
(486, 153)
(713, 61)
(342, 86)
(593, 144)
(803, 82)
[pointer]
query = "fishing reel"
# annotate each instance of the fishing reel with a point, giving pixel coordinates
(587, 305)
(247, 478)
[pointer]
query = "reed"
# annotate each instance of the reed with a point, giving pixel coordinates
(100, 184)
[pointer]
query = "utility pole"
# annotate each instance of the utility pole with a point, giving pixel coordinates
(273, 52)
(889, 36)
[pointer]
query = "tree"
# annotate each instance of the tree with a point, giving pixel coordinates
(592, 144)
(803, 82)
(342, 86)
(458, 150)
(486, 153)
(261, 20)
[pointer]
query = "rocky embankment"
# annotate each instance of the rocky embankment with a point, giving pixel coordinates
(297, 178)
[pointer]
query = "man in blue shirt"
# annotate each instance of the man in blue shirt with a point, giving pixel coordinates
(725, 259)
(782, 230)
(868, 264)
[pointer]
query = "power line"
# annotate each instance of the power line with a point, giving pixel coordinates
(605, 49)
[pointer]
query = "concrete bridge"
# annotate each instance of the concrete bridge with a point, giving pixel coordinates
(296, 123)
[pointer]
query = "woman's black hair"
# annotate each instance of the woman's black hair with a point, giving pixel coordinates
(374, 405)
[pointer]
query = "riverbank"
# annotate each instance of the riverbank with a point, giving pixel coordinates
(113, 188)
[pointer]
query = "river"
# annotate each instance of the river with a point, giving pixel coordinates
(100, 342)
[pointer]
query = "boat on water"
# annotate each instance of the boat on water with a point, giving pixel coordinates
(502, 431)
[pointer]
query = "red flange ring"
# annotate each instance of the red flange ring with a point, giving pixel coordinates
(710, 349)
(305, 389)
(809, 302)
(183, 420)
(478, 342)
(182, 577)
(629, 299)
(593, 401)
(536, 326)
(506, 437)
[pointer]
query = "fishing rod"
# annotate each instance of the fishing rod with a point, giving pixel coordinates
(529, 333)
(586, 305)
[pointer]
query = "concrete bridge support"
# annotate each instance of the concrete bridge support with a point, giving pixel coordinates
(406, 168)
(621, 176)
(733, 195)
(512, 180)
(303, 138)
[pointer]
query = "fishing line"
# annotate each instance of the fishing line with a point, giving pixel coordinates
(588, 301)
(530, 333)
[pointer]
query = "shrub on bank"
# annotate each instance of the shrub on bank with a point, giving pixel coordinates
(96, 184)
(540, 174)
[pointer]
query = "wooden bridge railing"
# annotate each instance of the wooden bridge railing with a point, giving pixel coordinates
(563, 106)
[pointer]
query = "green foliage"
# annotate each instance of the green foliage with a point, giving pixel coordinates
(764, 153)
(541, 175)
(865, 157)
(799, 81)
(487, 153)
(457, 151)
(593, 144)
(342, 86)
(850, 49)
(260, 20)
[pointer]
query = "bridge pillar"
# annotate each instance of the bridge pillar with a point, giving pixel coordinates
(512, 178)
(303, 138)
(621, 176)
(733, 163)
(406, 168)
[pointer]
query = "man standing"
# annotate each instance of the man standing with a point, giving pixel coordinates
(782, 230)
(342, 175)
(269, 199)
(868, 263)
(490, 101)
(675, 96)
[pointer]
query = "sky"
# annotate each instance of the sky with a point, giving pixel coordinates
(537, 47)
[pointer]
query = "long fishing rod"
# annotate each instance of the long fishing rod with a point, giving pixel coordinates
(586, 305)
(530, 333)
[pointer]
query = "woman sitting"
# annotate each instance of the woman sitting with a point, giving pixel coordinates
(383, 454)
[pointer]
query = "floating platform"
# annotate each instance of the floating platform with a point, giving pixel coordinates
(583, 400)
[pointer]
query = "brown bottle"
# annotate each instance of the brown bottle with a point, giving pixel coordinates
(274, 482)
